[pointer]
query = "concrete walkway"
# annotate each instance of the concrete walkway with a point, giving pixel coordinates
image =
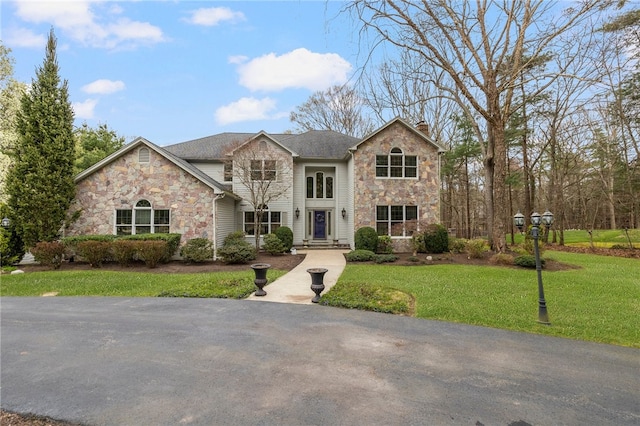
(295, 286)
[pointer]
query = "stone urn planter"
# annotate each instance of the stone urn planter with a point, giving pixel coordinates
(261, 277)
(317, 282)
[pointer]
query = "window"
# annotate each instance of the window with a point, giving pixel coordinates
(142, 219)
(396, 221)
(397, 165)
(228, 171)
(269, 223)
(319, 186)
(263, 170)
(143, 155)
(310, 187)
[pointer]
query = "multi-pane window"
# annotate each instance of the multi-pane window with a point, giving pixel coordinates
(396, 165)
(228, 171)
(142, 219)
(319, 186)
(263, 169)
(269, 223)
(396, 221)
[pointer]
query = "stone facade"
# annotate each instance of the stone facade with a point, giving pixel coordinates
(125, 181)
(371, 191)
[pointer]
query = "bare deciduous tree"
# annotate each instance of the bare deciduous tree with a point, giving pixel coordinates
(338, 108)
(483, 48)
(261, 173)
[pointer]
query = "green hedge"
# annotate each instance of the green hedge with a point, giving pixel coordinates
(124, 253)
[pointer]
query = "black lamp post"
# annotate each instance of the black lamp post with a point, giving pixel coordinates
(536, 220)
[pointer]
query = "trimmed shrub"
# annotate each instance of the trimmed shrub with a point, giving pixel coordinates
(71, 243)
(272, 244)
(197, 250)
(237, 253)
(172, 242)
(527, 261)
(436, 239)
(360, 256)
(235, 249)
(233, 238)
(94, 252)
(48, 253)
(366, 238)
(124, 251)
(286, 236)
(501, 259)
(385, 246)
(152, 252)
(476, 248)
(457, 245)
(417, 243)
(385, 258)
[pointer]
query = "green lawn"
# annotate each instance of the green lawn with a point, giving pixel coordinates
(132, 284)
(599, 302)
(602, 238)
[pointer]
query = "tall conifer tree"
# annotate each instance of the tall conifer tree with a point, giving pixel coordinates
(40, 181)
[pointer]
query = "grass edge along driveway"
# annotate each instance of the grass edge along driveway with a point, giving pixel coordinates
(599, 301)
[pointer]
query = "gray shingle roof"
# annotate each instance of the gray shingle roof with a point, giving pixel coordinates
(321, 144)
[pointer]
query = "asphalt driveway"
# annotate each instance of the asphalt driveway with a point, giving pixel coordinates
(156, 361)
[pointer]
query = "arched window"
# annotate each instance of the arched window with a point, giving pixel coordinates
(396, 165)
(142, 219)
(319, 186)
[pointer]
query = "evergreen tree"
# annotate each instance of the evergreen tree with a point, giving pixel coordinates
(40, 182)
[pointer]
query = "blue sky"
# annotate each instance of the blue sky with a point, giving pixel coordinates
(172, 71)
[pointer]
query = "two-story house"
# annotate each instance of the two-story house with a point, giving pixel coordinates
(322, 184)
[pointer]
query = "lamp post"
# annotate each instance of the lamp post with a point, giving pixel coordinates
(6, 222)
(536, 220)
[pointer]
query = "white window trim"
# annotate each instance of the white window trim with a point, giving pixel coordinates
(389, 166)
(404, 220)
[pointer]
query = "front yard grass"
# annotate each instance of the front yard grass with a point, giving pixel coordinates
(598, 302)
(235, 285)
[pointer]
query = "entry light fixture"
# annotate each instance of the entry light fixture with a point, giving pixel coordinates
(297, 213)
(344, 213)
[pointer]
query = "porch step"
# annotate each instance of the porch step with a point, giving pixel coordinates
(321, 246)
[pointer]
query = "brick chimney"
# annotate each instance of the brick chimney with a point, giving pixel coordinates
(423, 127)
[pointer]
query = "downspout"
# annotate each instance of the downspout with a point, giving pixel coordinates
(215, 225)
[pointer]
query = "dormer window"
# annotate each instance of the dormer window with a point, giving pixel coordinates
(397, 165)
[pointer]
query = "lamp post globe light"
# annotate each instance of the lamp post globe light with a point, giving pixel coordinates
(6, 222)
(545, 219)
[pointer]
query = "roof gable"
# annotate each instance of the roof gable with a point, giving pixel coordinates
(411, 128)
(139, 142)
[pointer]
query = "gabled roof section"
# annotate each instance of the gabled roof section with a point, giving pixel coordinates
(321, 144)
(314, 144)
(407, 125)
(260, 135)
(138, 142)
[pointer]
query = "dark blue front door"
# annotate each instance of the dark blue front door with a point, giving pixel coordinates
(319, 224)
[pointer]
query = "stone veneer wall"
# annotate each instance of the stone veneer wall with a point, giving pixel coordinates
(371, 191)
(122, 183)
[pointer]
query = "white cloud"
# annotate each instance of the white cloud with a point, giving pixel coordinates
(245, 109)
(22, 37)
(213, 16)
(84, 109)
(103, 87)
(299, 68)
(90, 23)
(238, 59)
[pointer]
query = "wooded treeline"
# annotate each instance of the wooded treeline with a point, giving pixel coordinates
(537, 103)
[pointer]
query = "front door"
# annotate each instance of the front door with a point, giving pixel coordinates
(320, 224)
